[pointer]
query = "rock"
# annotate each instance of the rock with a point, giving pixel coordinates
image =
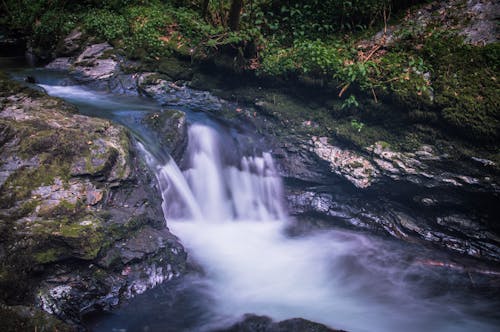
(23, 318)
(254, 323)
(482, 26)
(80, 214)
(354, 167)
(170, 128)
(408, 222)
(177, 70)
(30, 79)
(71, 44)
(484, 162)
(168, 93)
(59, 64)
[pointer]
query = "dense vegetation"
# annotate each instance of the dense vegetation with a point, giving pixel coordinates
(425, 69)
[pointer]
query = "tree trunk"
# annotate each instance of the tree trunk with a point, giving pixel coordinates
(234, 14)
(204, 10)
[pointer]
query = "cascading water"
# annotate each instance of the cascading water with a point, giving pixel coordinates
(226, 207)
(220, 192)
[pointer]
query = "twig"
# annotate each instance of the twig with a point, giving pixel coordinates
(374, 49)
(374, 96)
(385, 21)
(344, 89)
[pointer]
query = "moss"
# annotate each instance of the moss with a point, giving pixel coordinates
(174, 68)
(100, 160)
(466, 85)
(19, 185)
(9, 87)
(384, 145)
(64, 208)
(50, 255)
(77, 236)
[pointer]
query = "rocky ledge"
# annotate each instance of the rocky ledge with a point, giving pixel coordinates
(254, 323)
(81, 225)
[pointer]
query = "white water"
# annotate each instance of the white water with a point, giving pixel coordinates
(231, 219)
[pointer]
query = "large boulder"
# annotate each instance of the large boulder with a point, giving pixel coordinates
(80, 213)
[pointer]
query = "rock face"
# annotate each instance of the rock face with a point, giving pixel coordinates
(170, 129)
(414, 196)
(81, 224)
(364, 168)
(254, 323)
(348, 164)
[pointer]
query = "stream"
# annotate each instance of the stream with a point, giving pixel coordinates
(225, 201)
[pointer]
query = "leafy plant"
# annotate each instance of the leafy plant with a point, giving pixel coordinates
(105, 24)
(349, 102)
(357, 125)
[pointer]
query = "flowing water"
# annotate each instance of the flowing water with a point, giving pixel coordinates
(225, 202)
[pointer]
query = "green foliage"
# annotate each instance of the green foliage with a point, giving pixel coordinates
(43, 20)
(350, 102)
(317, 18)
(105, 24)
(306, 56)
(357, 125)
(52, 26)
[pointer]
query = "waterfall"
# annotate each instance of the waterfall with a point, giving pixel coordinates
(211, 190)
(224, 202)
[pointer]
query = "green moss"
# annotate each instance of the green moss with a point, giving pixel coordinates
(50, 255)
(9, 87)
(19, 185)
(174, 68)
(77, 236)
(384, 145)
(100, 160)
(466, 85)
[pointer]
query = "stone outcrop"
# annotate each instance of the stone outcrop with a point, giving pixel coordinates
(415, 196)
(254, 323)
(80, 214)
(364, 168)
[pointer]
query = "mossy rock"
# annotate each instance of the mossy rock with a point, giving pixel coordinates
(174, 68)
(23, 318)
(466, 86)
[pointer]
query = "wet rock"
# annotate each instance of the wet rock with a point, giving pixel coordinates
(170, 128)
(30, 79)
(170, 93)
(484, 162)
(254, 323)
(80, 214)
(71, 44)
(177, 70)
(60, 64)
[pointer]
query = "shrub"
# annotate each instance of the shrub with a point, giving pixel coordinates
(105, 24)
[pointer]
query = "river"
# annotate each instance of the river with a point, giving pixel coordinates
(225, 201)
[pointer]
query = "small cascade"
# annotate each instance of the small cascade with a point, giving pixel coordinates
(211, 190)
(172, 182)
(216, 202)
